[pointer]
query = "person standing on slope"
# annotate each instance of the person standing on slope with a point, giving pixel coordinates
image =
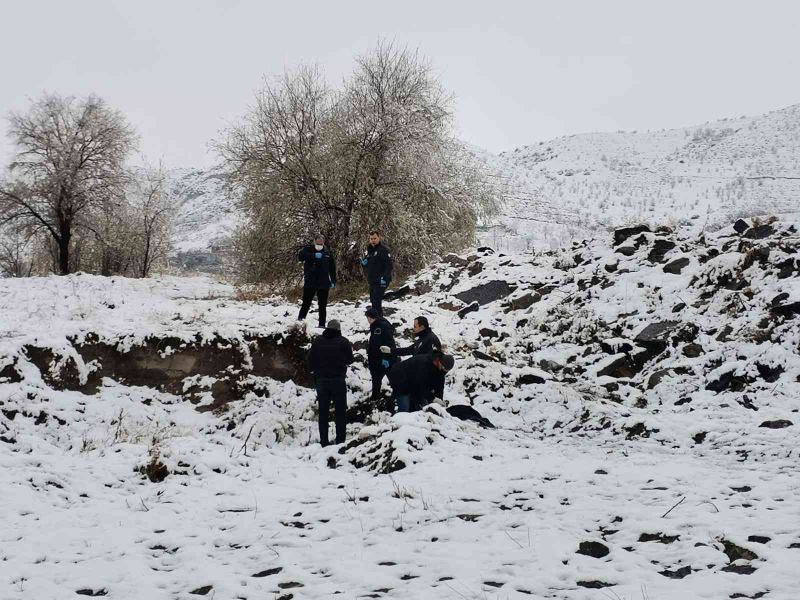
(418, 380)
(380, 351)
(328, 359)
(319, 277)
(426, 341)
(377, 263)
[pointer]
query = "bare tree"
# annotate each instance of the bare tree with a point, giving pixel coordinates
(151, 207)
(16, 252)
(69, 163)
(378, 153)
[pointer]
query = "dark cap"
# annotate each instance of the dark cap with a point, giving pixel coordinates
(372, 313)
(447, 362)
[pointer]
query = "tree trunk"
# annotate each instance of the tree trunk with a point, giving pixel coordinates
(63, 252)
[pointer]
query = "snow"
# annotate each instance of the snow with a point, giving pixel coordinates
(421, 505)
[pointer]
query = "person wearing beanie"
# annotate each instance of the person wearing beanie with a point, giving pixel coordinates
(319, 276)
(426, 341)
(377, 263)
(328, 358)
(380, 351)
(417, 381)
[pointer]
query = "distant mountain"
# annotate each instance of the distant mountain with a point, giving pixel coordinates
(576, 185)
(579, 185)
(207, 216)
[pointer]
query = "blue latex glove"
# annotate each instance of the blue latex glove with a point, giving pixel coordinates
(383, 282)
(364, 262)
(318, 255)
(385, 363)
(333, 285)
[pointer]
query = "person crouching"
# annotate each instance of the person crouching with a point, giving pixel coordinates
(418, 380)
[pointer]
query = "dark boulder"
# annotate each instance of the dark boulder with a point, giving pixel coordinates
(593, 549)
(655, 336)
(626, 250)
(486, 293)
(400, 292)
(769, 373)
(741, 226)
(676, 266)
(777, 300)
(787, 311)
(455, 260)
(692, 350)
(523, 302)
(728, 381)
(659, 250)
(777, 424)
(614, 348)
(760, 232)
(467, 413)
(10, 374)
(679, 573)
(623, 366)
(622, 234)
(474, 307)
(529, 379)
(657, 378)
(474, 268)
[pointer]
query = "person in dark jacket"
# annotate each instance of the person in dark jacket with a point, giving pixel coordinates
(377, 263)
(380, 350)
(328, 359)
(426, 341)
(417, 381)
(319, 277)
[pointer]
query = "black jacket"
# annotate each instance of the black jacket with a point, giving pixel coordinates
(418, 378)
(380, 334)
(425, 343)
(379, 264)
(330, 354)
(318, 273)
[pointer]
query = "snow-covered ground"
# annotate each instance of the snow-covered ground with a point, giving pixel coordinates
(644, 396)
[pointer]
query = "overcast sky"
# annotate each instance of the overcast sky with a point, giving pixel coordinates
(521, 72)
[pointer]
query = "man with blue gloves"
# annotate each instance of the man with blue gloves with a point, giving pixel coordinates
(380, 350)
(377, 263)
(319, 276)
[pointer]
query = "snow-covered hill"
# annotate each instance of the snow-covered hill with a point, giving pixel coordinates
(157, 439)
(571, 187)
(207, 216)
(582, 185)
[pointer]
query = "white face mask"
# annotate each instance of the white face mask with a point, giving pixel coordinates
(318, 246)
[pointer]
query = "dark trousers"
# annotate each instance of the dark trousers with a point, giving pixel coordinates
(332, 390)
(377, 379)
(408, 403)
(322, 300)
(376, 298)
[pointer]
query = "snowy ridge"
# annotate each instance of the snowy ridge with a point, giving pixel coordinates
(206, 218)
(644, 392)
(707, 175)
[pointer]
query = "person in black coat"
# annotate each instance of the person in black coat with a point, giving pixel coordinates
(328, 359)
(426, 341)
(377, 263)
(380, 350)
(319, 277)
(417, 381)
